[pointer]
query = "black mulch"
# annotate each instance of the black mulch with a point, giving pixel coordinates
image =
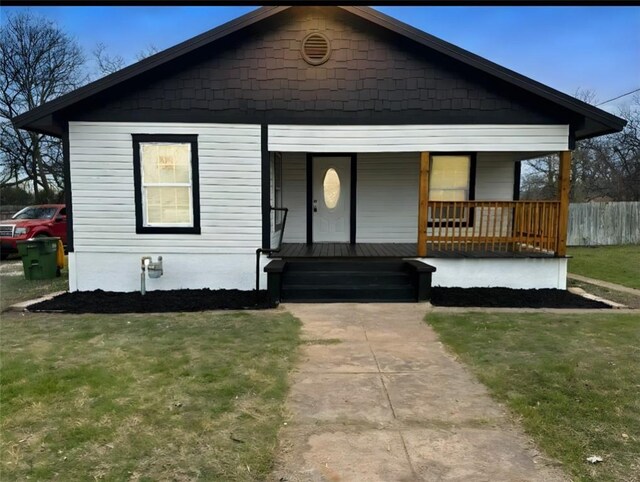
(155, 301)
(510, 298)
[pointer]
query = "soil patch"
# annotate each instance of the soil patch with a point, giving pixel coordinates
(510, 298)
(155, 301)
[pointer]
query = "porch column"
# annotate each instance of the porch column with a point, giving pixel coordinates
(563, 196)
(423, 203)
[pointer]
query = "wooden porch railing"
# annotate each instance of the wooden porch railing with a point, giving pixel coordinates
(517, 226)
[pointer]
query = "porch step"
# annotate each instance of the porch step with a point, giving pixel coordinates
(348, 278)
(348, 293)
(325, 280)
(333, 265)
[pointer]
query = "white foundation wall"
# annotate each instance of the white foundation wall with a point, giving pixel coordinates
(90, 271)
(517, 273)
(107, 250)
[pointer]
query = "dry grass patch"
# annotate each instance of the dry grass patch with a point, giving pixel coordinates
(143, 397)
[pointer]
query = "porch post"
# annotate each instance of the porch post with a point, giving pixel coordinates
(563, 196)
(423, 203)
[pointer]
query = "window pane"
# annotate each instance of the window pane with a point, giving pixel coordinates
(448, 195)
(331, 185)
(166, 163)
(449, 178)
(168, 205)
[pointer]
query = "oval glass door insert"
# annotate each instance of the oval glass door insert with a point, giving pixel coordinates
(331, 187)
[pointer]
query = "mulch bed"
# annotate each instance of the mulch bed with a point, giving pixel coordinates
(510, 298)
(201, 300)
(155, 301)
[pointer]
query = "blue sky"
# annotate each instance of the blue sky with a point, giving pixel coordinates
(596, 48)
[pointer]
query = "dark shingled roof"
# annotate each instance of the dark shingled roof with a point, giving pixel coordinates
(46, 118)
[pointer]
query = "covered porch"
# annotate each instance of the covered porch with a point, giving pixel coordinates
(386, 209)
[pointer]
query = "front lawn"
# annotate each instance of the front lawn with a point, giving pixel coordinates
(14, 288)
(573, 379)
(616, 264)
(143, 397)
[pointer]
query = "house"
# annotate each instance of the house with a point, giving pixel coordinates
(385, 144)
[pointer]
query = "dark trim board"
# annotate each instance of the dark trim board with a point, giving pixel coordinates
(265, 194)
(517, 171)
(352, 195)
(195, 183)
(353, 198)
(309, 198)
(68, 197)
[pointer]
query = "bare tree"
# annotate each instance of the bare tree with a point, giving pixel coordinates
(38, 62)
(148, 51)
(606, 167)
(106, 63)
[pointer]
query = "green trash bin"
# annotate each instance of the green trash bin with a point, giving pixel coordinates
(39, 257)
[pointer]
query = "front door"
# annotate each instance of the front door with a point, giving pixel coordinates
(331, 199)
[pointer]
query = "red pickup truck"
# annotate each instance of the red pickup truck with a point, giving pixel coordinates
(31, 222)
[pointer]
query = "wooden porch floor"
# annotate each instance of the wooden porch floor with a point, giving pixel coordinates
(390, 250)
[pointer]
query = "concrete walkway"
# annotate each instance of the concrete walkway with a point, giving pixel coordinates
(377, 398)
(604, 284)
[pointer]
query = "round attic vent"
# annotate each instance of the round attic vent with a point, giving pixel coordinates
(315, 48)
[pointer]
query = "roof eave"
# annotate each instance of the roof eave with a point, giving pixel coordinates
(609, 120)
(24, 120)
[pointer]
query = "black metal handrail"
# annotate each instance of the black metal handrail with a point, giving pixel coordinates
(260, 251)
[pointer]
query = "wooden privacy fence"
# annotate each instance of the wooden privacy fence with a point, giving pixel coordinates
(518, 226)
(604, 223)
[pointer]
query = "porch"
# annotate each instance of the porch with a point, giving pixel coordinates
(463, 229)
(376, 221)
(394, 250)
(382, 207)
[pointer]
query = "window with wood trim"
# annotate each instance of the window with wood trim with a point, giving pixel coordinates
(451, 180)
(166, 183)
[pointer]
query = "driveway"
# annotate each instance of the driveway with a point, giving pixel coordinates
(376, 397)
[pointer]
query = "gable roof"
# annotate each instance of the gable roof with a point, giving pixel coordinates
(596, 121)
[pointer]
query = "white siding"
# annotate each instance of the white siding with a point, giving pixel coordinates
(494, 176)
(416, 138)
(518, 273)
(294, 196)
(387, 202)
(101, 156)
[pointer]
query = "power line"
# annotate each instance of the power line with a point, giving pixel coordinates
(623, 95)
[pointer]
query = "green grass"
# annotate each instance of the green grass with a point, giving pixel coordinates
(143, 397)
(616, 264)
(573, 379)
(15, 288)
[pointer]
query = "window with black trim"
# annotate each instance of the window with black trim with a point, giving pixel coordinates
(451, 180)
(167, 188)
